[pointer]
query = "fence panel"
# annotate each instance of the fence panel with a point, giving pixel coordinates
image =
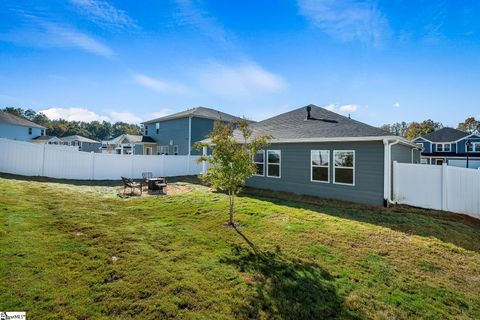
(438, 187)
(418, 185)
(64, 162)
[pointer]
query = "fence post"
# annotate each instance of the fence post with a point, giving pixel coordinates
(92, 164)
(131, 166)
(42, 169)
(444, 186)
(395, 181)
(163, 165)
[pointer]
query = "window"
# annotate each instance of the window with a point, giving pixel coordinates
(175, 150)
(320, 161)
(273, 163)
(157, 127)
(164, 150)
(420, 145)
(259, 160)
(42, 132)
(146, 130)
(444, 147)
(474, 147)
(344, 167)
(148, 151)
(424, 161)
(29, 130)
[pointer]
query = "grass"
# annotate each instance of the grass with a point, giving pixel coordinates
(72, 250)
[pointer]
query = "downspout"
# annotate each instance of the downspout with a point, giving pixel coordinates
(387, 179)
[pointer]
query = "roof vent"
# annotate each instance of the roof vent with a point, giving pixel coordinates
(309, 108)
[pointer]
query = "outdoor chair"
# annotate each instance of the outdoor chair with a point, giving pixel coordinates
(129, 183)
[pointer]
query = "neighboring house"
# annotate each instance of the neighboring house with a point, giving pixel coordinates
(176, 134)
(83, 143)
(449, 146)
(47, 140)
(18, 128)
(317, 152)
(128, 144)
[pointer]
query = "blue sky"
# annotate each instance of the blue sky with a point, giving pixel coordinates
(380, 61)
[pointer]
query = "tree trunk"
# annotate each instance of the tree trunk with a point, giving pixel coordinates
(232, 195)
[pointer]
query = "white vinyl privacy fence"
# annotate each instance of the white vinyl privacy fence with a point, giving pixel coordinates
(30, 159)
(437, 187)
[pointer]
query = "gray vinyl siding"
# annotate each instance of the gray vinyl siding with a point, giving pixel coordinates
(90, 146)
(200, 129)
(296, 171)
(402, 154)
(175, 131)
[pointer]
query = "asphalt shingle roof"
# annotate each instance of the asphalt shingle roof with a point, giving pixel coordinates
(78, 138)
(199, 112)
(131, 138)
(9, 118)
(445, 135)
(323, 124)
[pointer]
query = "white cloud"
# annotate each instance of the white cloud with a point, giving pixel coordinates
(82, 114)
(124, 117)
(44, 34)
(347, 20)
(343, 109)
(73, 114)
(239, 80)
(159, 85)
(104, 14)
(396, 104)
(162, 113)
(190, 15)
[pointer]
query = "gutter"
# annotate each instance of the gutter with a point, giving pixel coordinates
(387, 170)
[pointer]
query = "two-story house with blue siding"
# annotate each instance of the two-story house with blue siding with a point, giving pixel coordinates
(176, 134)
(450, 146)
(18, 128)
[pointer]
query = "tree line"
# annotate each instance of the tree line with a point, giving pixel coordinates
(61, 128)
(415, 129)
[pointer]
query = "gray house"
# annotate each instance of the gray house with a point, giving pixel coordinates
(176, 134)
(17, 128)
(450, 146)
(128, 144)
(317, 152)
(46, 140)
(83, 143)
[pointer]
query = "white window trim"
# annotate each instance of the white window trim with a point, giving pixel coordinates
(151, 151)
(319, 166)
(474, 146)
(279, 164)
(162, 152)
(260, 175)
(353, 168)
(443, 147)
(423, 161)
(175, 147)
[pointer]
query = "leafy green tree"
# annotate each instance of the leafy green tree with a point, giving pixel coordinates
(232, 159)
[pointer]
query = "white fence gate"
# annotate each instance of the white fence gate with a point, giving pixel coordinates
(437, 187)
(30, 159)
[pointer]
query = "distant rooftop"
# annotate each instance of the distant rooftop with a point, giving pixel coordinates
(9, 118)
(78, 138)
(199, 112)
(445, 135)
(130, 138)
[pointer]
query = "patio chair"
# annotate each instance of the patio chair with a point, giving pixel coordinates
(129, 183)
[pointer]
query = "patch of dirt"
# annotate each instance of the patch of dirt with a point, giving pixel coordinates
(171, 190)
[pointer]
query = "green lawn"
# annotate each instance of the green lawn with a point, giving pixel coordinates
(74, 251)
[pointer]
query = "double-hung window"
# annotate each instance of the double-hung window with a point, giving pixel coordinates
(476, 147)
(30, 130)
(274, 163)
(344, 167)
(164, 150)
(157, 127)
(259, 160)
(320, 162)
(444, 147)
(175, 149)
